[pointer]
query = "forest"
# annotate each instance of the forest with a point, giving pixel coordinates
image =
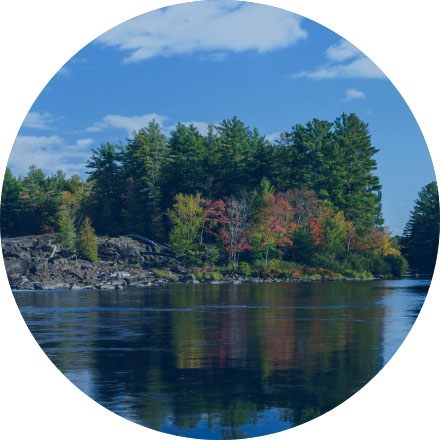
(308, 203)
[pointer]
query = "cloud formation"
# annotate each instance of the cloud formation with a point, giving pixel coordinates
(127, 123)
(50, 153)
(351, 94)
(208, 26)
(344, 61)
(38, 121)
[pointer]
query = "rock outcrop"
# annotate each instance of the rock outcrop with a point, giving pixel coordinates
(36, 262)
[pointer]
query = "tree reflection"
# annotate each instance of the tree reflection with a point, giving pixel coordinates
(219, 361)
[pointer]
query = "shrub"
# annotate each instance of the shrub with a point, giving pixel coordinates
(207, 274)
(214, 276)
(165, 274)
(397, 265)
(86, 243)
(244, 269)
(282, 268)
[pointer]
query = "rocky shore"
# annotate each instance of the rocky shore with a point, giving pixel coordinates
(36, 263)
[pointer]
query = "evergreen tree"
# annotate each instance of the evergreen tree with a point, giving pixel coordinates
(185, 170)
(356, 190)
(230, 157)
(12, 206)
(143, 162)
(42, 198)
(421, 234)
(66, 235)
(106, 194)
(86, 242)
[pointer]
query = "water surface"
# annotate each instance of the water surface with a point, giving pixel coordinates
(224, 361)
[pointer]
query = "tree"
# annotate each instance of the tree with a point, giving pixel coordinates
(185, 170)
(105, 176)
(41, 197)
(143, 161)
(66, 235)
(234, 232)
(230, 157)
(86, 242)
(421, 234)
(187, 218)
(12, 205)
(355, 188)
(275, 225)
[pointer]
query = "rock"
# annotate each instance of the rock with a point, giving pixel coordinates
(105, 286)
(120, 274)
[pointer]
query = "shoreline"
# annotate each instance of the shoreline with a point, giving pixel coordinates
(228, 281)
(125, 262)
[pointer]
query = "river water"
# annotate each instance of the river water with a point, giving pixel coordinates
(224, 361)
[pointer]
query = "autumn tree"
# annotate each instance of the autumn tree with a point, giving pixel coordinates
(187, 218)
(235, 230)
(274, 226)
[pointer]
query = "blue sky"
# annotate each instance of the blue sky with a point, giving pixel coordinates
(202, 62)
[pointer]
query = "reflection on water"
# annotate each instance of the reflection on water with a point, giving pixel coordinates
(224, 361)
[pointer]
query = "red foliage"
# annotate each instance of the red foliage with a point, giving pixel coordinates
(317, 231)
(215, 211)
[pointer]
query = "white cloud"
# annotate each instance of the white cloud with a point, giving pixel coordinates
(359, 65)
(50, 153)
(207, 26)
(38, 121)
(127, 123)
(351, 94)
(342, 51)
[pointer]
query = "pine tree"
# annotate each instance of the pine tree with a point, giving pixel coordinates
(421, 234)
(143, 163)
(184, 171)
(66, 235)
(12, 206)
(106, 195)
(86, 242)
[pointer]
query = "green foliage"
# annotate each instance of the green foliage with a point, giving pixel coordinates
(310, 200)
(421, 235)
(166, 274)
(66, 235)
(143, 162)
(106, 199)
(280, 268)
(187, 218)
(244, 268)
(213, 276)
(86, 242)
(207, 274)
(210, 254)
(397, 265)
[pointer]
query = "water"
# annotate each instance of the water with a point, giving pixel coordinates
(224, 361)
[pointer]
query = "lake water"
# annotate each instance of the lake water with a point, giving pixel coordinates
(224, 361)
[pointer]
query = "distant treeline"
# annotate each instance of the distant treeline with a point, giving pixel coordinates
(229, 197)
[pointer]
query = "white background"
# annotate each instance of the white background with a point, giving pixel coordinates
(37, 38)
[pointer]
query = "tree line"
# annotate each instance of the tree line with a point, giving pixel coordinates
(227, 198)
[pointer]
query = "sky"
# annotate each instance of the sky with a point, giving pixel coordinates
(202, 62)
